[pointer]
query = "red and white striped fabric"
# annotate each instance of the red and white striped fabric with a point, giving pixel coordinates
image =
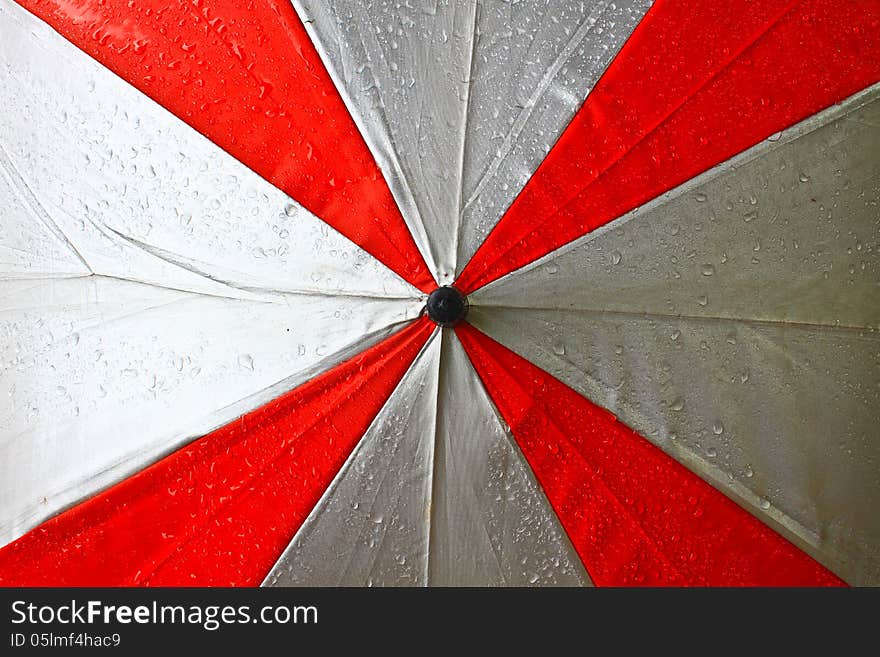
(236, 243)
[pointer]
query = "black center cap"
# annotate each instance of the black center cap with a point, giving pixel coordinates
(446, 306)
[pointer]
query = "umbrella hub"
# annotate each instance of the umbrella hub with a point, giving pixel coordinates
(446, 306)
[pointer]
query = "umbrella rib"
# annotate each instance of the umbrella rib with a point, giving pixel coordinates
(687, 318)
(464, 128)
(522, 118)
(432, 508)
(499, 255)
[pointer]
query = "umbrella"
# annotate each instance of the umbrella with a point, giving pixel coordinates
(463, 292)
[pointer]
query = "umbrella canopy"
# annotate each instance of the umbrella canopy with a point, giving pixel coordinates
(452, 293)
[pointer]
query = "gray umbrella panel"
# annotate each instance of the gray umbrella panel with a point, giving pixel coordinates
(733, 322)
(460, 101)
(436, 493)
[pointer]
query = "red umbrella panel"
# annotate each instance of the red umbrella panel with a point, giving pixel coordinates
(330, 293)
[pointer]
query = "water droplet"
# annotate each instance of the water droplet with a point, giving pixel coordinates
(749, 472)
(700, 198)
(677, 404)
(718, 428)
(246, 361)
(290, 210)
(703, 300)
(804, 178)
(765, 503)
(552, 268)
(559, 349)
(616, 257)
(675, 335)
(708, 270)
